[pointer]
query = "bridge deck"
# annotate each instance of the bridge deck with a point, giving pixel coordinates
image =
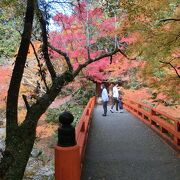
(120, 147)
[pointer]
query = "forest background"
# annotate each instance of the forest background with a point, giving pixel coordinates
(136, 43)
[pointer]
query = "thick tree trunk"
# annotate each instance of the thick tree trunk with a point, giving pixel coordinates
(19, 141)
(20, 138)
(13, 92)
(16, 155)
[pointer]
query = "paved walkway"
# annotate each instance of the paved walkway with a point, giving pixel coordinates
(120, 147)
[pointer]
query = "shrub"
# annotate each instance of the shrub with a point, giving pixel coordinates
(53, 114)
(75, 106)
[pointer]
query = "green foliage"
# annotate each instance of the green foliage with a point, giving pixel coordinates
(9, 40)
(110, 7)
(157, 41)
(75, 106)
(66, 91)
(2, 60)
(133, 84)
(106, 42)
(75, 109)
(11, 20)
(83, 95)
(52, 115)
(159, 73)
(11, 27)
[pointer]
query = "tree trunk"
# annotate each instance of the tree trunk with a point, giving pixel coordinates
(16, 155)
(20, 138)
(13, 92)
(19, 141)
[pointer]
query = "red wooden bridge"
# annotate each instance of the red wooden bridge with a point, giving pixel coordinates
(140, 144)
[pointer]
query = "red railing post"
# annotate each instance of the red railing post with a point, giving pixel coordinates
(177, 126)
(87, 112)
(177, 138)
(151, 116)
(158, 121)
(139, 106)
(67, 152)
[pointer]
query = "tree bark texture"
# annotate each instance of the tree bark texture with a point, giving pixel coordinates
(20, 138)
(18, 142)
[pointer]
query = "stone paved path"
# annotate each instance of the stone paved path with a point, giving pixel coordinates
(120, 147)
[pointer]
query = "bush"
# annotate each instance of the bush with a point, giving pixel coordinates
(75, 106)
(133, 84)
(82, 96)
(53, 114)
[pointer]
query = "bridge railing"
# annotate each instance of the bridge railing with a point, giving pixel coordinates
(82, 128)
(164, 124)
(70, 149)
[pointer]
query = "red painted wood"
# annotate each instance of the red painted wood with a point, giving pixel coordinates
(155, 119)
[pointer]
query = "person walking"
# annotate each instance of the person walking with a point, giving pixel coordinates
(120, 103)
(105, 99)
(115, 97)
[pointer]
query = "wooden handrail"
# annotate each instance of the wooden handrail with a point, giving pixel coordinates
(69, 152)
(164, 124)
(82, 128)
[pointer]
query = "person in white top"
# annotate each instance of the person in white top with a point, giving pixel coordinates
(105, 99)
(115, 97)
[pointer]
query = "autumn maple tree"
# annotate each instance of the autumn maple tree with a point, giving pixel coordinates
(157, 25)
(94, 39)
(78, 53)
(88, 34)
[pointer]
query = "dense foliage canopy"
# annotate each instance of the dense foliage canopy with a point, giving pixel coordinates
(146, 31)
(157, 26)
(131, 41)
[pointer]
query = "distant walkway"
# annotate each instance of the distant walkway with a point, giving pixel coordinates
(120, 147)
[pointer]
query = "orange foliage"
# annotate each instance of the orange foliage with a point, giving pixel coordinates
(4, 82)
(21, 115)
(144, 95)
(31, 55)
(31, 52)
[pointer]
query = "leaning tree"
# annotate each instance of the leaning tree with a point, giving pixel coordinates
(20, 137)
(157, 27)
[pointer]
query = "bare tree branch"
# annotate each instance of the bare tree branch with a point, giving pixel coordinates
(110, 60)
(39, 65)
(45, 42)
(88, 50)
(26, 102)
(81, 66)
(169, 19)
(126, 55)
(60, 2)
(66, 57)
(169, 63)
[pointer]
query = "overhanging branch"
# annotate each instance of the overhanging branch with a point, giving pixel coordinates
(126, 55)
(169, 63)
(26, 102)
(66, 57)
(81, 66)
(169, 19)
